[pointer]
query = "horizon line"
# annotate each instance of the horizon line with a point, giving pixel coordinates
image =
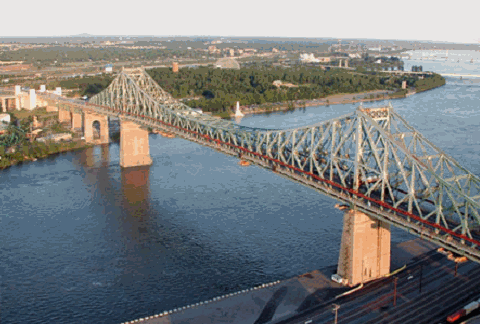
(248, 37)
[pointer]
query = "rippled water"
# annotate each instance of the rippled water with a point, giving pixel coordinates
(84, 241)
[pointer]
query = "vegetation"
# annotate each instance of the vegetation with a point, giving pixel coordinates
(429, 83)
(217, 90)
(35, 150)
(87, 86)
(57, 55)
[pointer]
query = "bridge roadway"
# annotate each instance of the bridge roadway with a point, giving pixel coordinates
(310, 297)
(442, 294)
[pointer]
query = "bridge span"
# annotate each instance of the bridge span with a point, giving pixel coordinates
(371, 160)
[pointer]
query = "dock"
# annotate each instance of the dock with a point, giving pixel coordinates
(277, 301)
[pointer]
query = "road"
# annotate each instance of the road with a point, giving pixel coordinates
(442, 293)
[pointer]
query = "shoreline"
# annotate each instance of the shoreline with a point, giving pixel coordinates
(338, 99)
(343, 99)
(264, 304)
(33, 157)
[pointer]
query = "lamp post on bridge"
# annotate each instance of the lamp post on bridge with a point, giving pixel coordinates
(335, 309)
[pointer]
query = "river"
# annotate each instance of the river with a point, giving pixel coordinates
(84, 241)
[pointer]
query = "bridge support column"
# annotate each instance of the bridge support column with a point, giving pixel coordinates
(365, 248)
(92, 134)
(76, 121)
(134, 147)
(64, 116)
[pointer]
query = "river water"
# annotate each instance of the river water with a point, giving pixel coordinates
(83, 241)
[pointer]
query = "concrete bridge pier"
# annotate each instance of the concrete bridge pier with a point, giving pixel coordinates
(134, 146)
(64, 116)
(77, 121)
(365, 248)
(92, 134)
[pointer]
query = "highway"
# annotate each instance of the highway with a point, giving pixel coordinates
(442, 293)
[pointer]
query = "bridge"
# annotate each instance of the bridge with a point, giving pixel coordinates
(461, 75)
(381, 169)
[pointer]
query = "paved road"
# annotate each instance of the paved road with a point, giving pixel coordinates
(441, 295)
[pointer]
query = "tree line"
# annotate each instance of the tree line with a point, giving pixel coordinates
(217, 90)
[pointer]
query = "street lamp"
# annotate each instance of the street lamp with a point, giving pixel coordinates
(335, 309)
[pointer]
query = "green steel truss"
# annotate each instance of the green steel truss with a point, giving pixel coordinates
(370, 159)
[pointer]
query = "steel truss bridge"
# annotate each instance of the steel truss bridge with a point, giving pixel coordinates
(370, 159)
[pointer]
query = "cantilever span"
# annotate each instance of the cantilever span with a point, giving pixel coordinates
(371, 159)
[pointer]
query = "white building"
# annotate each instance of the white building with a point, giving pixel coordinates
(108, 68)
(307, 58)
(5, 118)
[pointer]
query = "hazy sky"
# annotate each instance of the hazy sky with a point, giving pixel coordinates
(454, 21)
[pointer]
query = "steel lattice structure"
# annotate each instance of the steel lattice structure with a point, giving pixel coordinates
(371, 159)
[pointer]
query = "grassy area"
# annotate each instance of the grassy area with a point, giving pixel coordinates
(36, 150)
(224, 114)
(24, 114)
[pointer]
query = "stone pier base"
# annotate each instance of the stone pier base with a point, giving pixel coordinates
(134, 146)
(365, 248)
(64, 116)
(76, 121)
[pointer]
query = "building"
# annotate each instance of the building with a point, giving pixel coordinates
(5, 118)
(175, 67)
(109, 68)
(310, 58)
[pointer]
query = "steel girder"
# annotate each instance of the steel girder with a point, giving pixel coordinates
(370, 158)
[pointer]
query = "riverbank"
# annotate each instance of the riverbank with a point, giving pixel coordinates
(343, 98)
(277, 301)
(36, 150)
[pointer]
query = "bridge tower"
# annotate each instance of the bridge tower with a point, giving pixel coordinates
(365, 248)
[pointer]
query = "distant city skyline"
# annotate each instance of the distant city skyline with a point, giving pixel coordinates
(406, 20)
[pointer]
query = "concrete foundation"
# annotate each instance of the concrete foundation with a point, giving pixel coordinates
(134, 147)
(76, 121)
(90, 137)
(365, 248)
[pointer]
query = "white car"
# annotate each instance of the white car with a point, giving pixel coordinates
(337, 278)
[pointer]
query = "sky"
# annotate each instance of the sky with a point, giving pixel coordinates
(452, 21)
